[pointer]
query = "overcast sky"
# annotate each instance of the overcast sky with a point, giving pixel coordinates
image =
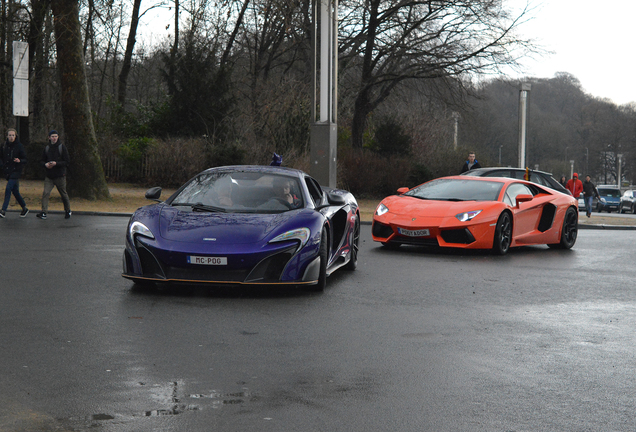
(591, 39)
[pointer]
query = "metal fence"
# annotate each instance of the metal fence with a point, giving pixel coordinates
(116, 169)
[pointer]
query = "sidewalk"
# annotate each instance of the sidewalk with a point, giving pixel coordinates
(126, 198)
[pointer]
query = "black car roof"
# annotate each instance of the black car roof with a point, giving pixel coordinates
(487, 169)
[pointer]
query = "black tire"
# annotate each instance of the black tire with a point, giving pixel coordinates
(503, 234)
(569, 232)
(324, 256)
(633, 209)
(355, 246)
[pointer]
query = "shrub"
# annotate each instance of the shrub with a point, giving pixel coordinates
(368, 174)
(131, 154)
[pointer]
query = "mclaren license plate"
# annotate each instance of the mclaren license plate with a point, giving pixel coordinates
(203, 260)
(414, 233)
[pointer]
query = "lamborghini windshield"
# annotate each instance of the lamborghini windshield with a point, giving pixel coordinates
(253, 192)
(457, 190)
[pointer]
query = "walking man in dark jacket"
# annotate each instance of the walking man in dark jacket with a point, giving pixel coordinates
(55, 159)
(12, 160)
(589, 192)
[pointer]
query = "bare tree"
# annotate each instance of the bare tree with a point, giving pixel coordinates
(130, 47)
(87, 180)
(389, 42)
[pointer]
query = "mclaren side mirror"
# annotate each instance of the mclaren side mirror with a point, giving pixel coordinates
(402, 190)
(335, 199)
(153, 193)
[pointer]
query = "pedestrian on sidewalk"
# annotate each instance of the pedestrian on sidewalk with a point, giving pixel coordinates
(12, 160)
(589, 192)
(55, 160)
(575, 186)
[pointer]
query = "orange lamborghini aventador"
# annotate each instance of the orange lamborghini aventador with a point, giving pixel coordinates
(477, 213)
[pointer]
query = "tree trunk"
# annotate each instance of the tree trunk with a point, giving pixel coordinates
(37, 44)
(86, 175)
(359, 120)
(130, 46)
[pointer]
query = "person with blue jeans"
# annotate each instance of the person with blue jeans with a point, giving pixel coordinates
(12, 160)
(589, 192)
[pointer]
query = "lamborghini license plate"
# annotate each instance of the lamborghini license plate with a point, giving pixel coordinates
(414, 233)
(203, 260)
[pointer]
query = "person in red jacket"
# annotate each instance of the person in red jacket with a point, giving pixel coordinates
(575, 185)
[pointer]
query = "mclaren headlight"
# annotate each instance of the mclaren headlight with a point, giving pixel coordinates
(466, 216)
(301, 235)
(137, 228)
(381, 209)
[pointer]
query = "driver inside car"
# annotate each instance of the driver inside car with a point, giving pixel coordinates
(282, 190)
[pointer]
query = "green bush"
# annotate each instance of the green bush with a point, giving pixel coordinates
(390, 139)
(131, 154)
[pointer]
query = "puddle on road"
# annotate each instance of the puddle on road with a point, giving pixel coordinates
(170, 394)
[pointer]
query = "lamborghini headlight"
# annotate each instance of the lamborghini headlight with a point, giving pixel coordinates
(381, 209)
(300, 234)
(466, 216)
(137, 228)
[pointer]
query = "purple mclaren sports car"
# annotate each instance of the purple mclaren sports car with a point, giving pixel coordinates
(244, 225)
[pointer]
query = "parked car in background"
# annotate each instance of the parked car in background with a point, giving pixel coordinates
(628, 201)
(610, 199)
(540, 177)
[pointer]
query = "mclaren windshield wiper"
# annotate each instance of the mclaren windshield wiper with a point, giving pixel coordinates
(207, 208)
(200, 207)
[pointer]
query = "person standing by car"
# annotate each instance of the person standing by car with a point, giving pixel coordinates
(575, 185)
(563, 180)
(55, 159)
(589, 192)
(12, 159)
(471, 163)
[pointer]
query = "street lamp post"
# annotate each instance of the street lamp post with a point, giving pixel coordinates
(500, 154)
(571, 168)
(523, 111)
(618, 178)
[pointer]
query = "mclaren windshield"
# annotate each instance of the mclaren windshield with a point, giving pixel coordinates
(242, 192)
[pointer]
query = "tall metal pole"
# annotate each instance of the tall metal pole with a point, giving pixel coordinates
(523, 111)
(620, 162)
(324, 136)
(455, 130)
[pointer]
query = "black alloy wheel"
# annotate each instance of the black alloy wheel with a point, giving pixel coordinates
(570, 230)
(355, 246)
(324, 256)
(503, 234)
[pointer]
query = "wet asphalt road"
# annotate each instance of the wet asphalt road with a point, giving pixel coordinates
(414, 340)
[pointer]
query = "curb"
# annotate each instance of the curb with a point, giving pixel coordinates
(607, 227)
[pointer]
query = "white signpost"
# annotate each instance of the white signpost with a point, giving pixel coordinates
(20, 79)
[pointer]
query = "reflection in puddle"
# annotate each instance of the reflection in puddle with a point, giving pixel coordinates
(170, 395)
(219, 399)
(175, 410)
